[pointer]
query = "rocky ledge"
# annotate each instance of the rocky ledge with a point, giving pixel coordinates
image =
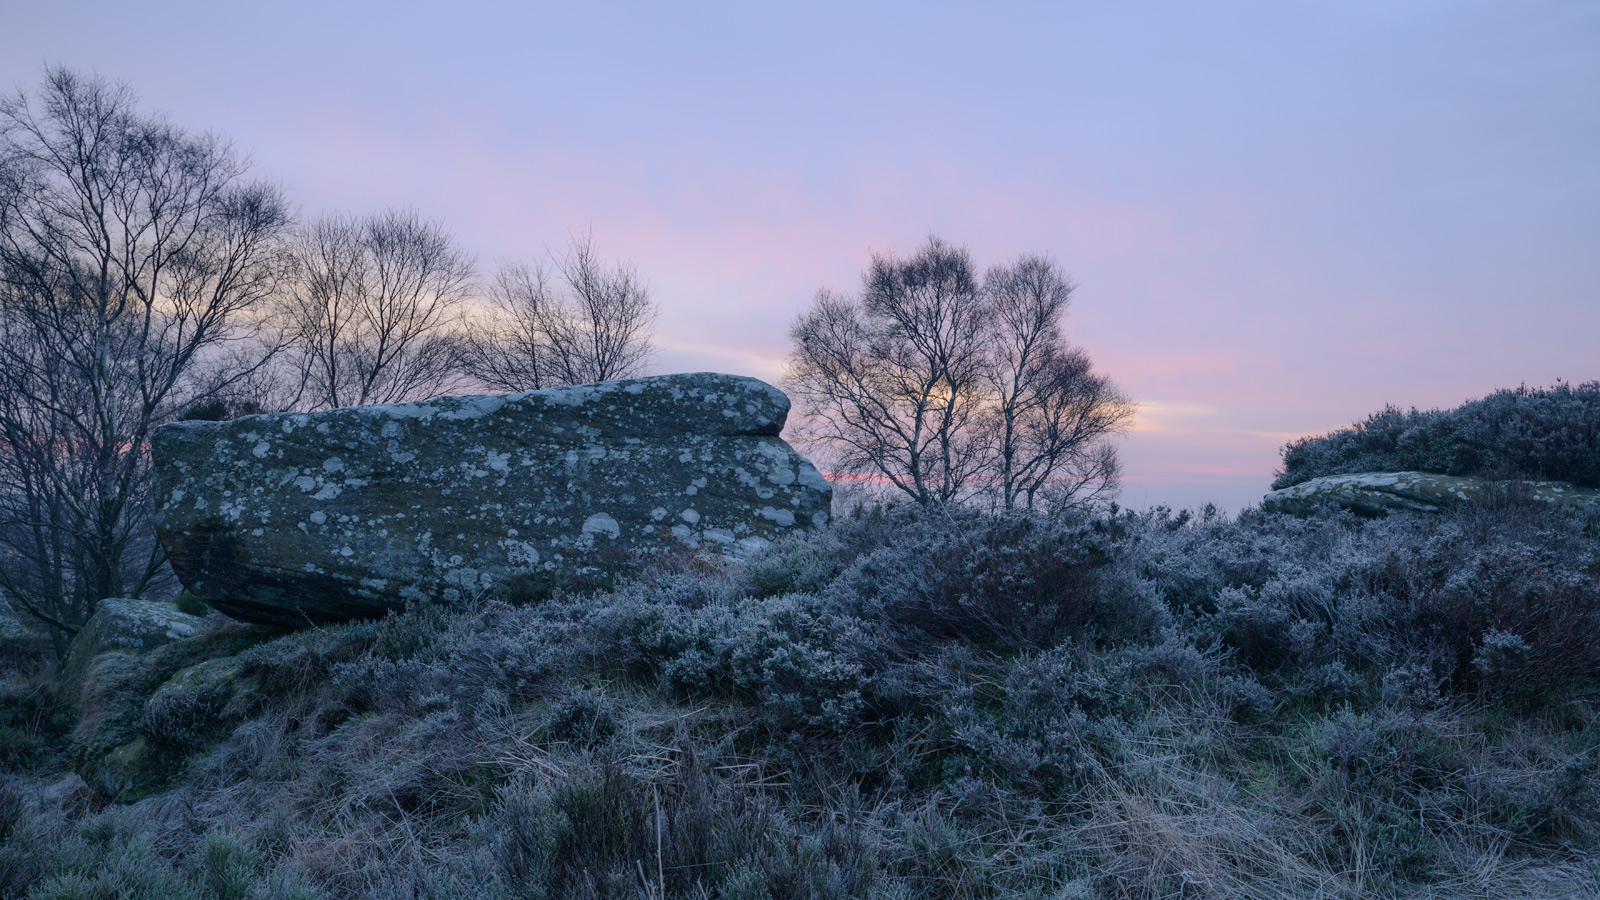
(1375, 493)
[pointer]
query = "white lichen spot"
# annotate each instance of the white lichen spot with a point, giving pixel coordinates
(332, 464)
(261, 450)
(783, 517)
(500, 462)
(690, 516)
(658, 514)
(318, 517)
(346, 551)
(600, 523)
(305, 483)
(811, 478)
(328, 492)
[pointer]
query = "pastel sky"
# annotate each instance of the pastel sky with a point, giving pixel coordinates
(1281, 215)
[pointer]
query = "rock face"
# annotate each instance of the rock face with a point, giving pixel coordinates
(1375, 493)
(348, 513)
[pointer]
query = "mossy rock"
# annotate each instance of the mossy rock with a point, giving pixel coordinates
(135, 770)
(124, 625)
(197, 705)
(143, 715)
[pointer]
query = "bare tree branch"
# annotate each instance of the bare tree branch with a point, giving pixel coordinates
(374, 309)
(587, 322)
(132, 258)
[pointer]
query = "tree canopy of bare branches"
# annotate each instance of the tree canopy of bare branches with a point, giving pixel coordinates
(133, 259)
(374, 309)
(584, 322)
(950, 389)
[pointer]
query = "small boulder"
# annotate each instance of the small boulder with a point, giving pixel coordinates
(125, 625)
(349, 513)
(1376, 493)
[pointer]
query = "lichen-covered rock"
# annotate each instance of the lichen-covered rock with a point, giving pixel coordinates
(126, 625)
(1375, 493)
(351, 512)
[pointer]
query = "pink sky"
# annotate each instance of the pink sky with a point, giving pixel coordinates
(1280, 216)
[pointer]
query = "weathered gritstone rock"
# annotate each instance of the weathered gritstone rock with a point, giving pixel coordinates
(351, 512)
(125, 625)
(1375, 493)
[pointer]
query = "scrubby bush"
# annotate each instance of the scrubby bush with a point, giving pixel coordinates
(1539, 433)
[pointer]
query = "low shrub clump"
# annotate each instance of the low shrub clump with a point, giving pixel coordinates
(1537, 433)
(929, 703)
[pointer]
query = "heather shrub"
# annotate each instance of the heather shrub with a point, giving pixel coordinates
(1008, 581)
(796, 658)
(1539, 433)
(928, 703)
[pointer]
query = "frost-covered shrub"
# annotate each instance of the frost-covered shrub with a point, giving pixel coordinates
(802, 662)
(795, 564)
(1541, 433)
(1014, 581)
(583, 717)
(1057, 720)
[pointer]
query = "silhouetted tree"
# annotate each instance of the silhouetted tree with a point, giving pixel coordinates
(893, 382)
(1050, 414)
(374, 307)
(951, 389)
(134, 257)
(586, 322)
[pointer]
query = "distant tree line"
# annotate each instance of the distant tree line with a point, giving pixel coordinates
(146, 277)
(1539, 433)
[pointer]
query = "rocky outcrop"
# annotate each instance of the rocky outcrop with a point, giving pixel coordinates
(1375, 493)
(348, 513)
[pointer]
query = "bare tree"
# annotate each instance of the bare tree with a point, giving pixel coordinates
(1050, 415)
(133, 259)
(893, 383)
(374, 308)
(587, 322)
(951, 390)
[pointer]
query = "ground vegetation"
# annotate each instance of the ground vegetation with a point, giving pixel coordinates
(913, 701)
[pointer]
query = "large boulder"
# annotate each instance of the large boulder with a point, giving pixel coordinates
(351, 512)
(1375, 493)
